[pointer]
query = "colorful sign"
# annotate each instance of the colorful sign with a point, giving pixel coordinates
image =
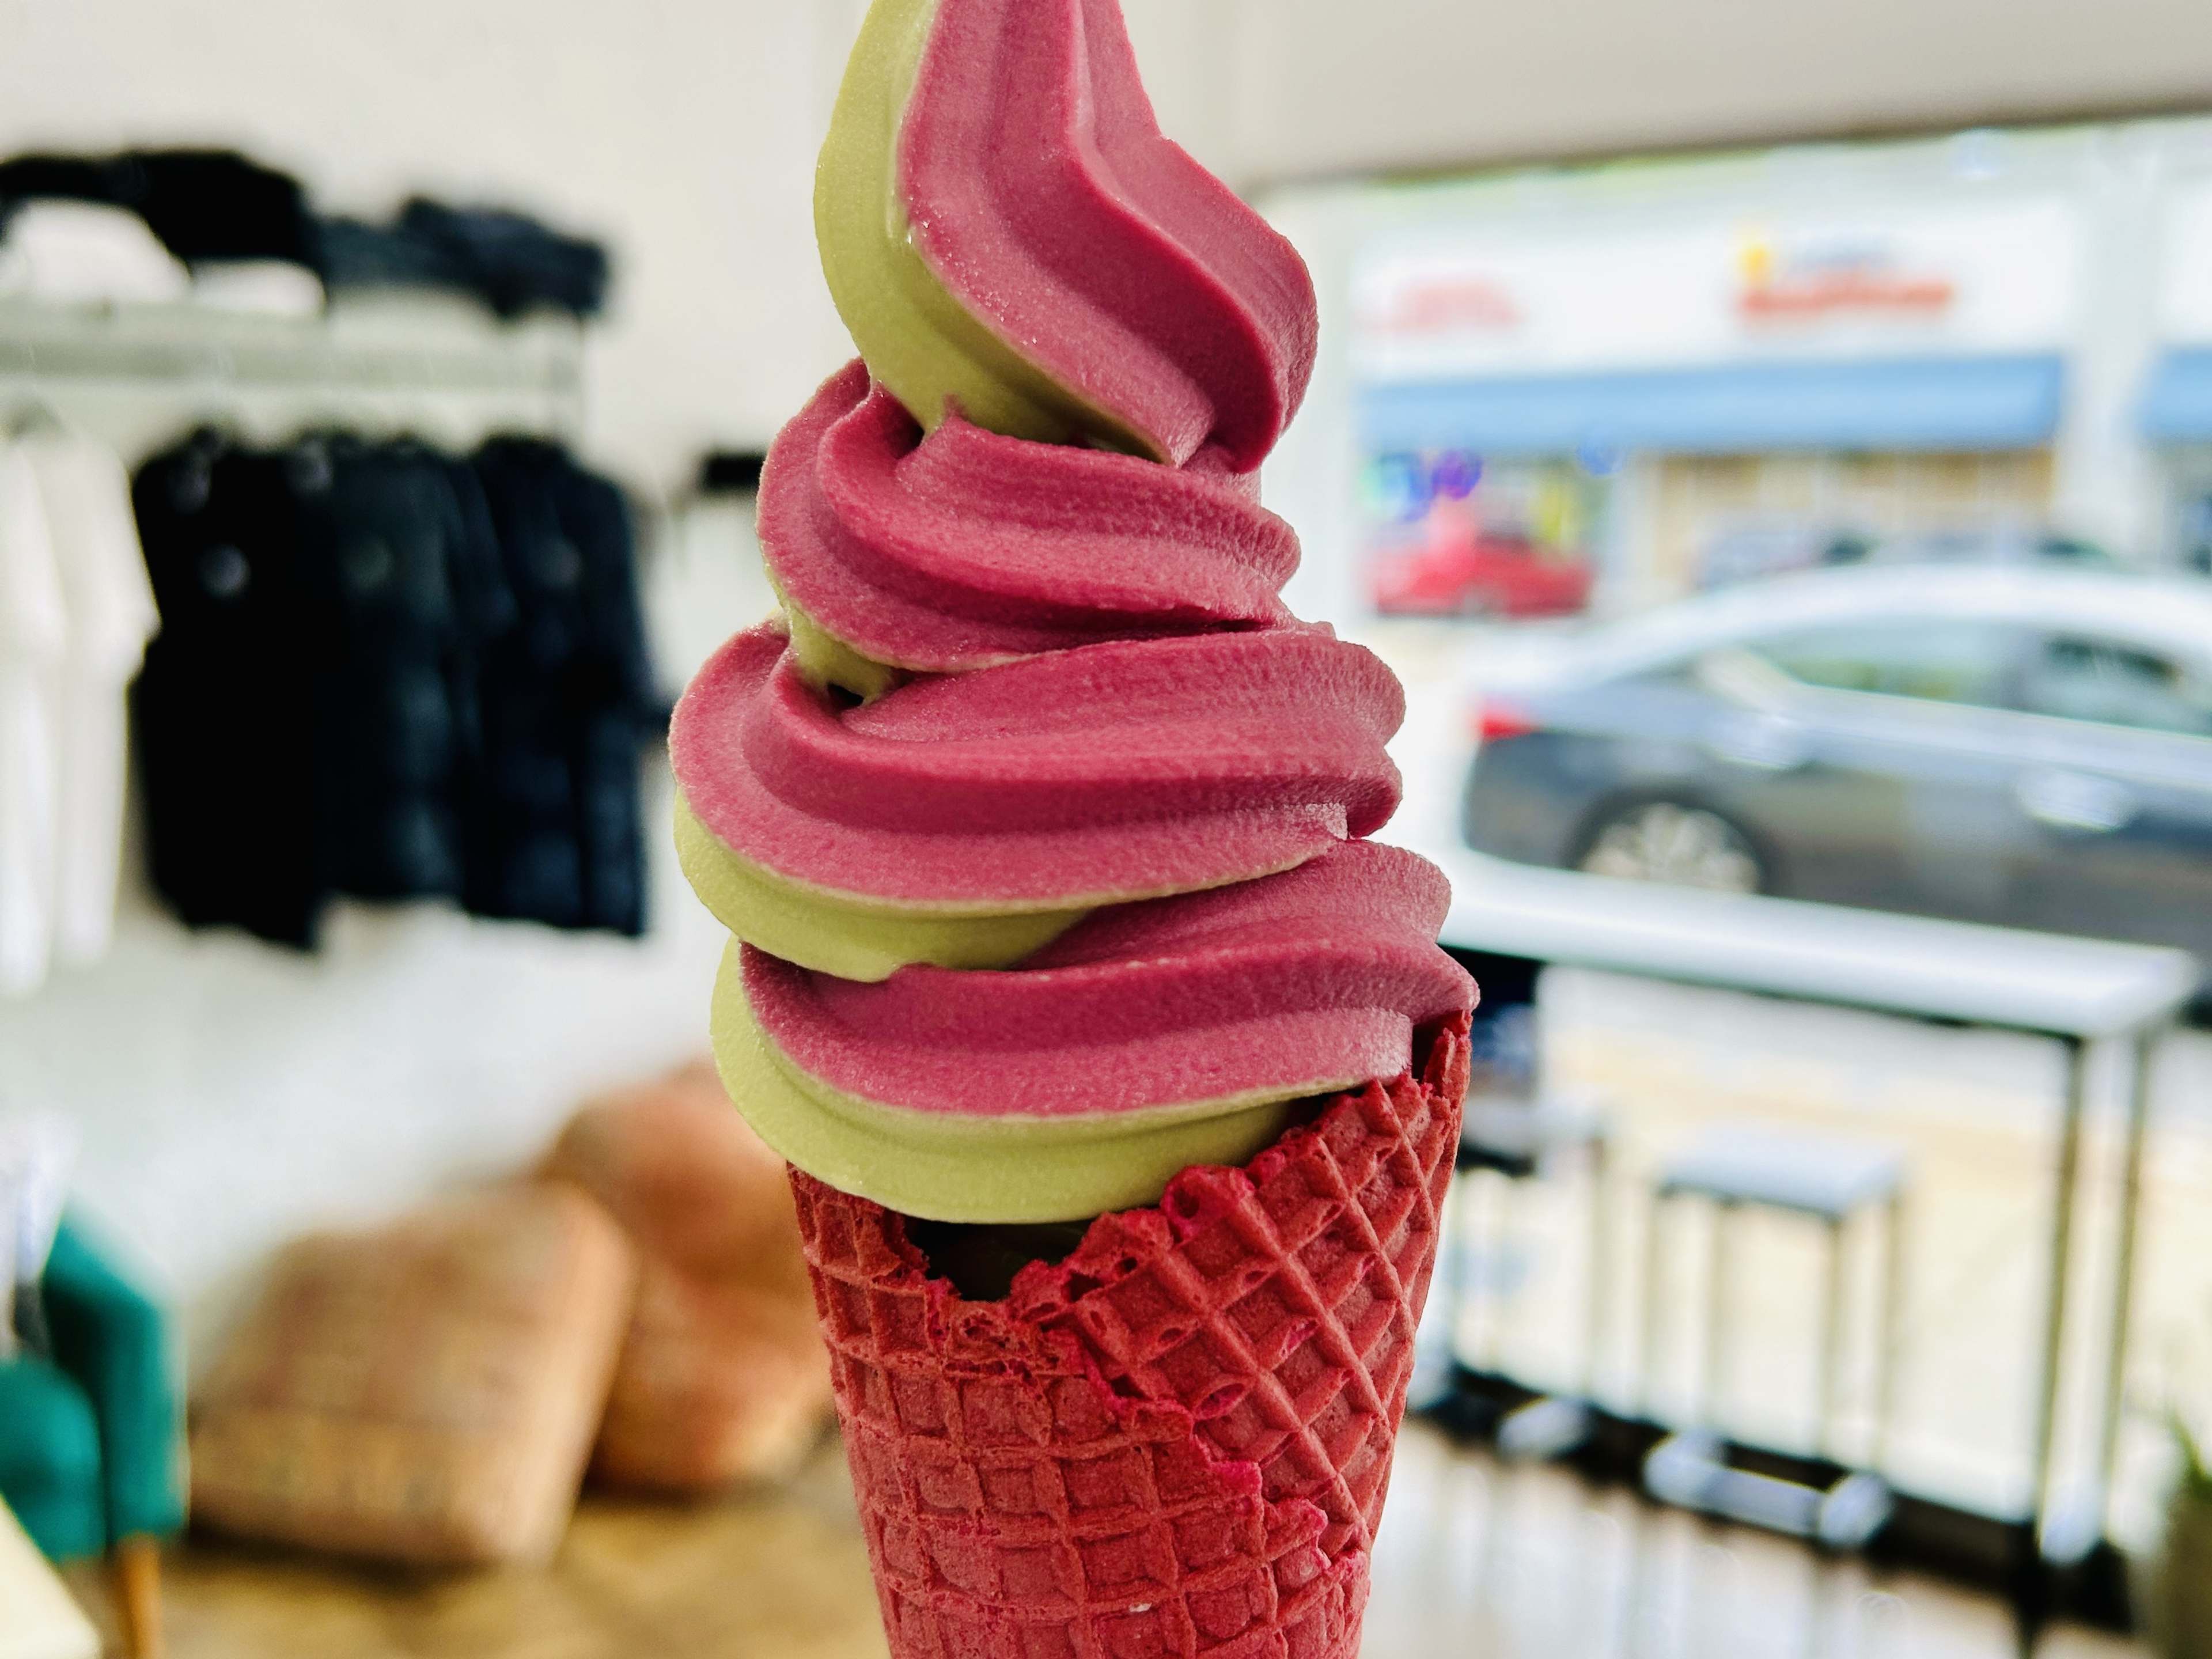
(1812, 280)
(1915, 279)
(1449, 535)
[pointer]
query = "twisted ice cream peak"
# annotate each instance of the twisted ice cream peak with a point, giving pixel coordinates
(1038, 819)
(1006, 232)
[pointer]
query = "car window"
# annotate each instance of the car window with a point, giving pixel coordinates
(1961, 662)
(2116, 685)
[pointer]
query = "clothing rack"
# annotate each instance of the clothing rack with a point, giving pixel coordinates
(161, 364)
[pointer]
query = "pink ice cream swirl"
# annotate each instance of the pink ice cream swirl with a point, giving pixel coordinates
(1098, 697)
(967, 549)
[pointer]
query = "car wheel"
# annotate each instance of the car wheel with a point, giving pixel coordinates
(1682, 845)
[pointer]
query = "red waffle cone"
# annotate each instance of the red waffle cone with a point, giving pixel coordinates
(1175, 1444)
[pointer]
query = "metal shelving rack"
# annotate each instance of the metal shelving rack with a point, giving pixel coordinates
(135, 375)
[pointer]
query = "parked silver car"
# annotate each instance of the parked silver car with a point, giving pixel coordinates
(1754, 550)
(2027, 746)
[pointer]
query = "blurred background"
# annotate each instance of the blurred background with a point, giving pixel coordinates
(1775, 449)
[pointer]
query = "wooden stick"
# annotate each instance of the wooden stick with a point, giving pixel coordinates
(138, 1594)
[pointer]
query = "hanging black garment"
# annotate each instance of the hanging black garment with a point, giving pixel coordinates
(389, 674)
(224, 709)
(384, 551)
(565, 694)
(308, 727)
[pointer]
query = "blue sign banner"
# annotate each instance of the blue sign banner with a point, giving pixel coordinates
(2179, 407)
(1914, 403)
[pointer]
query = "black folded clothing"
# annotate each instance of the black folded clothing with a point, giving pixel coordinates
(212, 205)
(510, 262)
(205, 205)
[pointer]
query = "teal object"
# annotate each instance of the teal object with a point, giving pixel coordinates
(50, 1465)
(91, 1440)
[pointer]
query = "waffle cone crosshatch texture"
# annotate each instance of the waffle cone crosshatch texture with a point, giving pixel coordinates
(1174, 1442)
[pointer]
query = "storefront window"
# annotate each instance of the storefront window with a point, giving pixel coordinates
(1724, 520)
(1450, 534)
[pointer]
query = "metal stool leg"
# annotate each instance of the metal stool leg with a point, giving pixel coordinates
(1831, 1358)
(1700, 1466)
(1892, 1332)
(1497, 1239)
(1474, 1247)
(1691, 1465)
(1454, 1256)
(1860, 1504)
(1647, 1358)
(2143, 1057)
(1597, 1309)
(1710, 1410)
(1434, 1384)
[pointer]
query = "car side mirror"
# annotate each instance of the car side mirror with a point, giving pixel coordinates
(1749, 680)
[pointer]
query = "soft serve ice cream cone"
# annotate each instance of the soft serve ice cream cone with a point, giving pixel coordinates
(1039, 825)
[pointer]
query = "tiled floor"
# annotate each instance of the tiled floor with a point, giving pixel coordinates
(1494, 1562)
(1476, 1561)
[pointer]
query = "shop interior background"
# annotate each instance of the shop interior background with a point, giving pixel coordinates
(2011, 204)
